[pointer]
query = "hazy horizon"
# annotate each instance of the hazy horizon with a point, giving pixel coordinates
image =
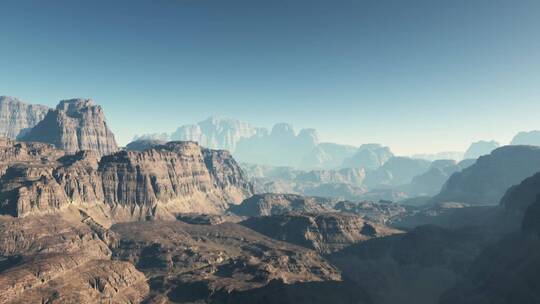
(419, 77)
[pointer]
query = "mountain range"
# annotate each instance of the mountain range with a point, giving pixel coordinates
(160, 221)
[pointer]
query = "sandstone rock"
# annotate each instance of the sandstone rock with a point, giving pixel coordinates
(381, 212)
(168, 179)
(273, 204)
(17, 117)
(144, 144)
(323, 232)
(63, 259)
(214, 260)
(75, 125)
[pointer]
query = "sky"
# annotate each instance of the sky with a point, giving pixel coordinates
(420, 76)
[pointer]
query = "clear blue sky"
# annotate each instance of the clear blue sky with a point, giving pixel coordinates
(419, 76)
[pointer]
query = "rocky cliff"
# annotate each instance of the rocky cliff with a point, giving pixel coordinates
(75, 125)
(171, 178)
(479, 148)
(274, 204)
(527, 138)
(323, 232)
(369, 156)
(486, 181)
(17, 117)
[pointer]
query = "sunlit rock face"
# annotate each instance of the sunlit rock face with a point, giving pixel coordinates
(75, 125)
(17, 117)
(175, 177)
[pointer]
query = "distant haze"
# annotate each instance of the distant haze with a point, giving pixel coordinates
(418, 76)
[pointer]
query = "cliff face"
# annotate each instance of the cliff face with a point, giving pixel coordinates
(486, 181)
(175, 177)
(323, 232)
(275, 204)
(17, 117)
(75, 125)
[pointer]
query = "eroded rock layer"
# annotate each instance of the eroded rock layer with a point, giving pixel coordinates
(75, 125)
(17, 117)
(171, 178)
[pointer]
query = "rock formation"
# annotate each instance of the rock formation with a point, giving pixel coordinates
(144, 144)
(75, 125)
(430, 183)
(17, 117)
(396, 171)
(507, 271)
(175, 177)
(323, 232)
(210, 263)
(267, 149)
(379, 212)
(479, 148)
(369, 157)
(531, 138)
(454, 155)
(217, 133)
(418, 266)
(271, 204)
(486, 181)
(63, 259)
(328, 156)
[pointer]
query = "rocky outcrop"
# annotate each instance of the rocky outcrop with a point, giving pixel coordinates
(75, 125)
(63, 259)
(328, 156)
(217, 133)
(531, 138)
(273, 204)
(144, 144)
(430, 183)
(208, 263)
(418, 266)
(479, 148)
(486, 181)
(379, 212)
(159, 182)
(369, 157)
(323, 232)
(17, 117)
(507, 271)
(396, 171)
(453, 155)
(267, 148)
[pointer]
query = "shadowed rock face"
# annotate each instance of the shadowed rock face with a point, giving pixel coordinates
(323, 232)
(486, 181)
(417, 266)
(75, 125)
(16, 117)
(506, 272)
(176, 177)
